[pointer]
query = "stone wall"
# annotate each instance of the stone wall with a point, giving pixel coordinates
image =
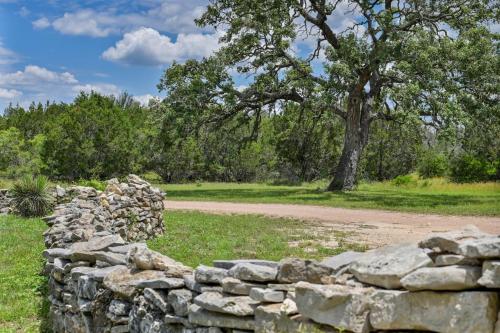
(101, 281)
(5, 202)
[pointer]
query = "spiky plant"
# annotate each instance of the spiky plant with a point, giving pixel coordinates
(31, 196)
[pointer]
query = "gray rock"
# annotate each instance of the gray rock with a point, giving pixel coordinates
(490, 274)
(342, 260)
(228, 264)
(157, 298)
(119, 307)
(162, 283)
(50, 254)
(267, 295)
(252, 272)
(234, 286)
(199, 316)
(442, 278)
(99, 274)
(339, 306)
(233, 305)
(120, 329)
(458, 312)
(97, 243)
(385, 267)
(455, 259)
(292, 270)
(485, 248)
(180, 300)
(140, 257)
(111, 258)
(282, 287)
(450, 241)
(206, 274)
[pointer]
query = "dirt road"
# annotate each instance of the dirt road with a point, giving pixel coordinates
(372, 227)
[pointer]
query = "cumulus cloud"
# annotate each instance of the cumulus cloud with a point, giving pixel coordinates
(171, 16)
(41, 23)
(146, 46)
(9, 93)
(102, 88)
(34, 75)
(144, 99)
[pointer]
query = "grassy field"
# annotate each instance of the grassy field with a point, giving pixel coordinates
(22, 305)
(192, 238)
(424, 196)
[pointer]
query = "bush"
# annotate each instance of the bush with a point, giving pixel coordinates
(31, 197)
(467, 168)
(95, 183)
(404, 180)
(433, 165)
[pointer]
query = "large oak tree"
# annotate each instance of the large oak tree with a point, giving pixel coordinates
(360, 60)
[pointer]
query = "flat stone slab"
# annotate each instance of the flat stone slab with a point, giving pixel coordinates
(386, 266)
(339, 306)
(455, 259)
(207, 274)
(267, 295)
(454, 312)
(233, 305)
(340, 261)
(443, 278)
(180, 300)
(252, 272)
(490, 274)
(200, 316)
(228, 264)
(234, 286)
(162, 283)
(484, 248)
(450, 241)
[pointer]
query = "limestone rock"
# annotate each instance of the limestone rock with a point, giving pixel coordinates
(234, 286)
(486, 248)
(206, 274)
(455, 259)
(180, 300)
(97, 243)
(156, 297)
(252, 272)
(228, 264)
(341, 260)
(457, 312)
(267, 295)
(199, 316)
(292, 270)
(450, 241)
(233, 305)
(140, 257)
(339, 306)
(490, 274)
(442, 278)
(385, 267)
(162, 283)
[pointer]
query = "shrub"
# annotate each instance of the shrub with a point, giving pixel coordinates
(95, 183)
(467, 168)
(433, 165)
(31, 196)
(404, 180)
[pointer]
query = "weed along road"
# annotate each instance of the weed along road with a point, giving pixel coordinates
(372, 227)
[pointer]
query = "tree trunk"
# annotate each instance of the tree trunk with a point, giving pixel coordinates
(355, 139)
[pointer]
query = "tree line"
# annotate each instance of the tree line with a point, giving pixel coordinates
(98, 137)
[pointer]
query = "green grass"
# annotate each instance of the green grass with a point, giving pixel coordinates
(423, 196)
(199, 238)
(22, 305)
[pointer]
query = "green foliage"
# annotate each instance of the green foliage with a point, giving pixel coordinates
(467, 168)
(432, 165)
(19, 155)
(404, 180)
(95, 183)
(31, 196)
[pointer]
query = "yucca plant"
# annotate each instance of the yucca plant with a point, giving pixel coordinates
(31, 196)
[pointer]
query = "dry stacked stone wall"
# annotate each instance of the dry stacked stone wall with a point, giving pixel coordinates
(102, 280)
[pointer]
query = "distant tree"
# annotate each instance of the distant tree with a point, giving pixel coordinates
(433, 60)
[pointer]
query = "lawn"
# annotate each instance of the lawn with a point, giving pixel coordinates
(192, 238)
(432, 196)
(22, 305)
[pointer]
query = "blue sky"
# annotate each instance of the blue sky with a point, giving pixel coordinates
(50, 50)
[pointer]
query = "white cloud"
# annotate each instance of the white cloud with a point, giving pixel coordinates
(102, 88)
(147, 46)
(24, 11)
(7, 56)
(171, 16)
(34, 76)
(9, 93)
(41, 23)
(144, 99)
